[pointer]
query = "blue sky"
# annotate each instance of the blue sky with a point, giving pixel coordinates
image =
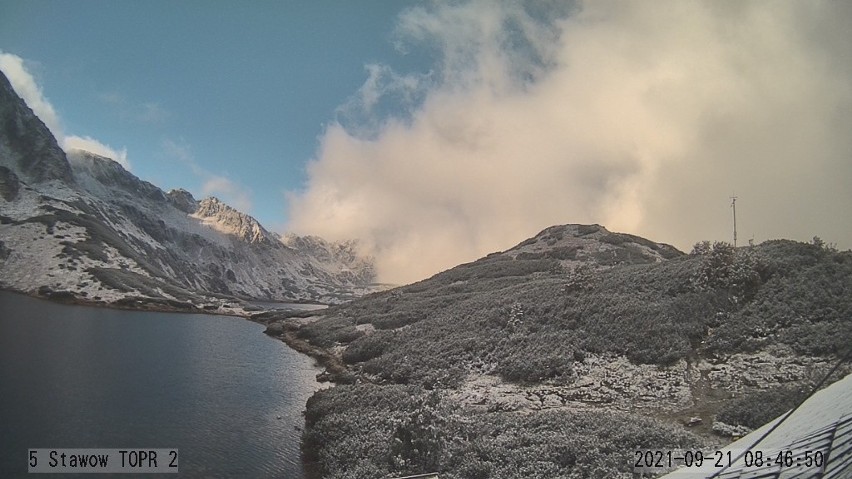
(243, 91)
(438, 132)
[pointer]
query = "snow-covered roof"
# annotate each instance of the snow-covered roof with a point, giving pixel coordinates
(815, 441)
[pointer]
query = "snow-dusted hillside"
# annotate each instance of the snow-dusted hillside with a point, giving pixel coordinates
(81, 226)
(570, 353)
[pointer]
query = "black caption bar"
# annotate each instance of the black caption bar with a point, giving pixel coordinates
(137, 461)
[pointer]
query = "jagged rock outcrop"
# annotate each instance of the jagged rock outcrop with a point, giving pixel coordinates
(183, 200)
(230, 221)
(357, 267)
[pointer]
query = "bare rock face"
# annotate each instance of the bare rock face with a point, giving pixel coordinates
(26, 145)
(356, 267)
(183, 200)
(4, 252)
(10, 185)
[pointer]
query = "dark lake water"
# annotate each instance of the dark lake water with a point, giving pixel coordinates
(218, 389)
(288, 306)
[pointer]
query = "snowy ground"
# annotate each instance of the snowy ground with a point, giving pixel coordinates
(611, 381)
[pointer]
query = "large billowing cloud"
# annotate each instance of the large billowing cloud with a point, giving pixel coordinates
(641, 116)
(15, 69)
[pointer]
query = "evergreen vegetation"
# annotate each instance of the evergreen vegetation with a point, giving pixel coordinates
(756, 409)
(389, 431)
(529, 320)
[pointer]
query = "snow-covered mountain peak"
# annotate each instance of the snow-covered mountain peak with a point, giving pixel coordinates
(343, 253)
(225, 219)
(92, 162)
(90, 159)
(346, 251)
(107, 176)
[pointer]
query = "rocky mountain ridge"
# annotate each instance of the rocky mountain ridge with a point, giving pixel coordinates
(81, 227)
(225, 219)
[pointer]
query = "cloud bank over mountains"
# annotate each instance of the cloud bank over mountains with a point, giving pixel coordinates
(642, 116)
(645, 117)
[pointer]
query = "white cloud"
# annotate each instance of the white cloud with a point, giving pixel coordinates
(94, 146)
(229, 191)
(642, 116)
(14, 67)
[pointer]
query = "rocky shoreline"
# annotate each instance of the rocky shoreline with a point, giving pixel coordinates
(234, 307)
(138, 303)
(285, 330)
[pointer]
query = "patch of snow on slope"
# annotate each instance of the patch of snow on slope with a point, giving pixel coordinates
(32, 262)
(610, 380)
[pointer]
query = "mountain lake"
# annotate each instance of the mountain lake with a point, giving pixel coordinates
(216, 388)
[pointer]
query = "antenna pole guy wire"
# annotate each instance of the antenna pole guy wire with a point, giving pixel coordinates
(734, 208)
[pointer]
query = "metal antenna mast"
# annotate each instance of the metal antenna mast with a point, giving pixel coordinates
(734, 208)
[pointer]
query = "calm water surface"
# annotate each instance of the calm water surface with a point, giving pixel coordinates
(217, 388)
